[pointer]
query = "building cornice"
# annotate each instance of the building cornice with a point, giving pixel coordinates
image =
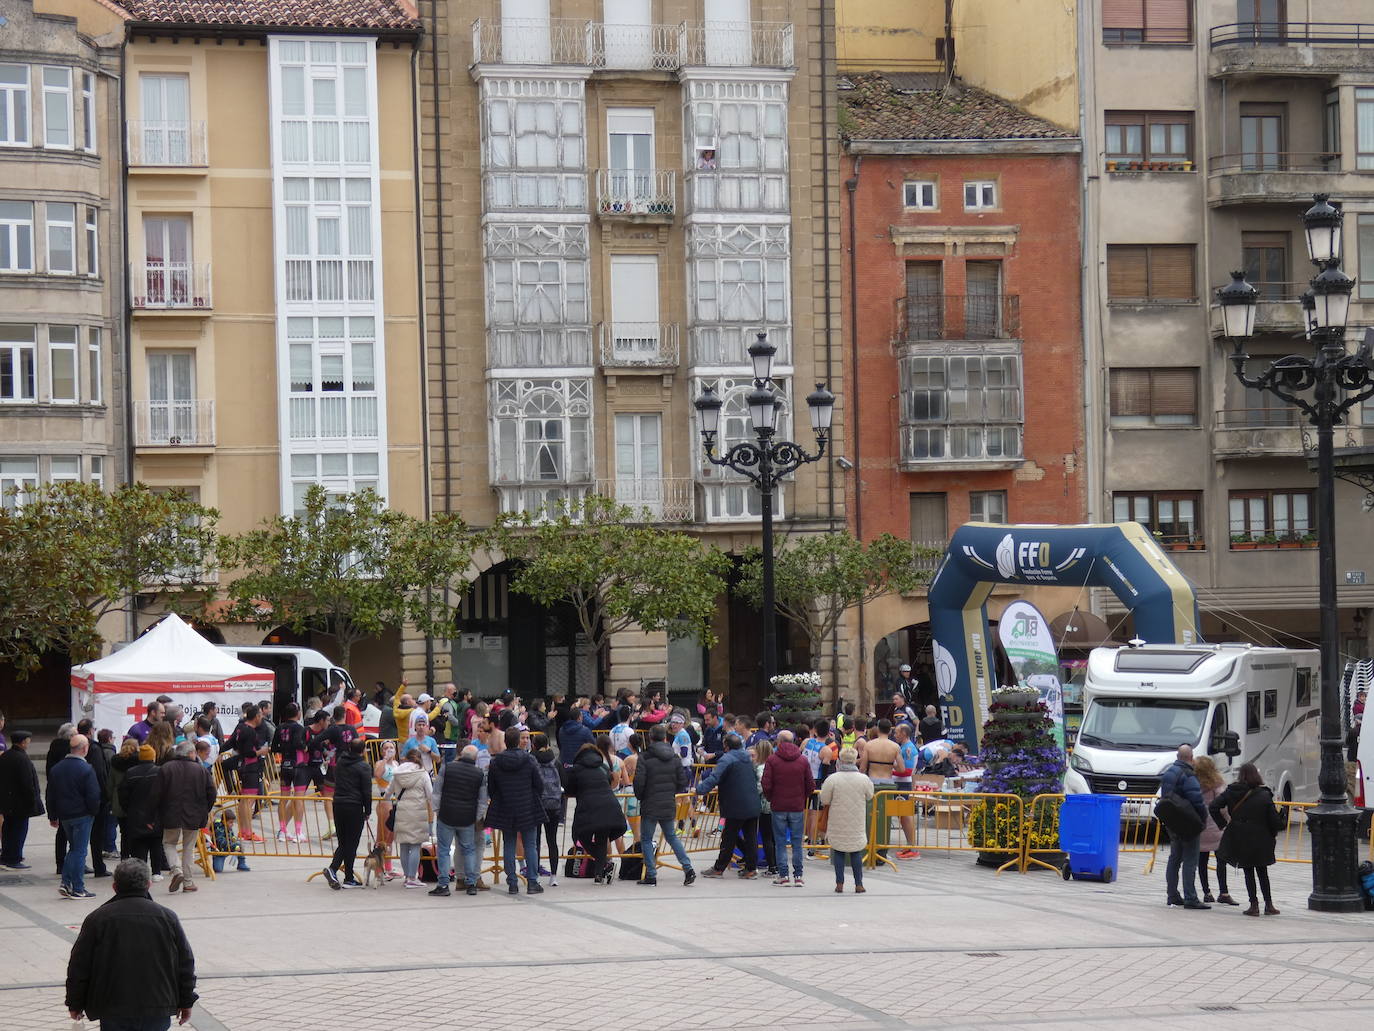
(937, 147)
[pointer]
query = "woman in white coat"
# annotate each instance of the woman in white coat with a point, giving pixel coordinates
(410, 795)
(846, 794)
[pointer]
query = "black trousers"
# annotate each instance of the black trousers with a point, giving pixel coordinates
(12, 837)
(741, 834)
(597, 848)
(551, 836)
(1202, 872)
(147, 847)
(770, 856)
(348, 826)
(1262, 873)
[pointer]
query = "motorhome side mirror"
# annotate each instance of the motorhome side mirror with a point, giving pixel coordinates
(1231, 743)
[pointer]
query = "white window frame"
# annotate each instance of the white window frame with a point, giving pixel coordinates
(92, 239)
(987, 506)
(335, 265)
(70, 466)
(16, 107)
(18, 229)
(731, 497)
(984, 195)
(66, 226)
(338, 472)
(60, 94)
(88, 121)
(96, 465)
(69, 352)
(94, 375)
(16, 472)
(348, 409)
(18, 354)
(914, 193)
(523, 411)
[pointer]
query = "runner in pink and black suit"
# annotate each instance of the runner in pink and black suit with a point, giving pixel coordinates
(245, 744)
(289, 745)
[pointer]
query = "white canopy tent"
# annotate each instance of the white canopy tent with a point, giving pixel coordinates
(170, 659)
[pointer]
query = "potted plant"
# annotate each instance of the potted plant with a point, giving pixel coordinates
(1196, 543)
(1309, 540)
(1242, 542)
(1111, 166)
(1187, 166)
(1136, 165)
(1290, 540)
(1020, 757)
(1267, 540)
(1177, 544)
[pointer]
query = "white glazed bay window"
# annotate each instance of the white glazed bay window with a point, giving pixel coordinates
(537, 309)
(324, 87)
(738, 141)
(333, 368)
(534, 149)
(730, 495)
(961, 407)
(738, 278)
(338, 473)
(541, 450)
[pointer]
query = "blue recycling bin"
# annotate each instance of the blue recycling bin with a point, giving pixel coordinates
(1090, 834)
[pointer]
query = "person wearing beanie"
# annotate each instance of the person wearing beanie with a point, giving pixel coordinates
(845, 796)
(138, 799)
(20, 800)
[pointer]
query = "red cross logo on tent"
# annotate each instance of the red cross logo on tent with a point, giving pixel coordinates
(137, 709)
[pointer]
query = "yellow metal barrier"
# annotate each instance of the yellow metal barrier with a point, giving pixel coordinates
(1041, 836)
(1294, 843)
(948, 821)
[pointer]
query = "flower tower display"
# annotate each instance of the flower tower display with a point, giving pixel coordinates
(1020, 757)
(795, 699)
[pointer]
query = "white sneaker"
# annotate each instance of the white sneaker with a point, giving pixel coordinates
(282, 836)
(157, 878)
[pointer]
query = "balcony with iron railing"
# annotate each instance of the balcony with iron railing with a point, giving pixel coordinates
(957, 317)
(1278, 177)
(1298, 48)
(596, 45)
(653, 499)
(1279, 309)
(636, 196)
(174, 424)
(1256, 433)
(627, 346)
(182, 286)
(167, 145)
(333, 417)
(710, 190)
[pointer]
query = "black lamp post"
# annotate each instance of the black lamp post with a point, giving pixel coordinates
(1323, 387)
(766, 462)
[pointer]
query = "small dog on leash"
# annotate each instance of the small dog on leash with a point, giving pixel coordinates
(374, 867)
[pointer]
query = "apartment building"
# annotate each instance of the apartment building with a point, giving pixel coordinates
(1208, 128)
(273, 290)
(619, 197)
(62, 383)
(962, 299)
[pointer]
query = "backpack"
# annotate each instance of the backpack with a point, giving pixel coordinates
(552, 795)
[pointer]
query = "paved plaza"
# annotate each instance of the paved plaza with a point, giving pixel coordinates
(938, 943)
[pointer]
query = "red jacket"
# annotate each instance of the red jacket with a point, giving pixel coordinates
(787, 780)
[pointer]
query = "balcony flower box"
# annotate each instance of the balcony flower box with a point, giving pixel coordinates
(1242, 542)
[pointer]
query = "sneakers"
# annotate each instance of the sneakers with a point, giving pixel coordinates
(535, 889)
(748, 875)
(650, 881)
(250, 836)
(513, 889)
(409, 883)
(189, 886)
(177, 882)
(472, 889)
(157, 878)
(16, 866)
(783, 881)
(688, 876)
(350, 883)
(332, 878)
(90, 895)
(908, 853)
(797, 882)
(282, 836)
(1195, 904)
(713, 872)
(440, 892)
(64, 891)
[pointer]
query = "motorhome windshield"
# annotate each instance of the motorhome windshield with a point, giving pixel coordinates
(1144, 724)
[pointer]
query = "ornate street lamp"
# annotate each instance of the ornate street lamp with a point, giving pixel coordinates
(1323, 387)
(765, 462)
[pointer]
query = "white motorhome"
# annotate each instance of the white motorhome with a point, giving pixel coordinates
(300, 672)
(1237, 703)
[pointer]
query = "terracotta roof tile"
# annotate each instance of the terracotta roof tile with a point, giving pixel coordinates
(877, 109)
(304, 14)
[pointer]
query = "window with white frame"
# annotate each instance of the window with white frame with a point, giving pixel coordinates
(16, 236)
(961, 406)
(14, 105)
(324, 101)
(96, 386)
(987, 506)
(64, 469)
(97, 467)
(18, 480)
(921, 194)
(738, 278)
(745, 123)
(534, 149)
(980, 195)
(57, 108)
(729, 495)
(328, 239)
(18, 363)
(538, 313)
(541, 431)
(61, 233)
(92, 240)
(333, 377)
(337, 472)
(88, 123)
(62, 365)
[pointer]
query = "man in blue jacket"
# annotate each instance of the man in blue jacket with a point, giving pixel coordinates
(738, 784)
(1183, 851)
(571, 737)
(73, 801)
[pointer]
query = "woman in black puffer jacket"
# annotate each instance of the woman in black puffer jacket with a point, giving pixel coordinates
(598, 818)
(1247, 837)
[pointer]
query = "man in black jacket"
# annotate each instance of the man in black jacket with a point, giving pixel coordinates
(659, 778)
(185, 795)
(19, 800)
(352, 807)
(459, 789)
(517, 807)
(73, 801)
(131, 965)
(100, 765)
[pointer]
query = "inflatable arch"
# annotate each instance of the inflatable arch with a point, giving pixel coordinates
(1121, 556)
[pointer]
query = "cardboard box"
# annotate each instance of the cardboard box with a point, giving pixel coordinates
(949, 816)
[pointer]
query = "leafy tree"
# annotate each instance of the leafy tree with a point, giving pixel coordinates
(617, 574)
(817, 578)
(71, 553)
(348, 567)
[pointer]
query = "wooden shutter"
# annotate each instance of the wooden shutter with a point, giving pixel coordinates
(1171, 272)
(1130, 390)
(1168, 21)
(1173, 392)
(1127, 271)
(1122, 14)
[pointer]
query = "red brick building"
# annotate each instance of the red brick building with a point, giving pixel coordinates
(963, 318)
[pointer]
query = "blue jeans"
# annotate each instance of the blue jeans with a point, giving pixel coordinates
(135, 1023)
(785, 825)
(78, 833)
(1182, 852)
(467, 845)
(530, 836)
(855, 860)
(647, 826)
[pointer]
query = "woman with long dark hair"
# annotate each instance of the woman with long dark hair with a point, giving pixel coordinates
(1248, 832)
(598, 819)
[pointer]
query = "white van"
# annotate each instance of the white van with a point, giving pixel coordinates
(301, 672)
(1237, 703)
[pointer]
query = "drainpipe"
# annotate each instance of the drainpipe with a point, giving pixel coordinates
(851, 185)
(1088, 301)
(826, 142)
(439, 251)
(124, 354)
